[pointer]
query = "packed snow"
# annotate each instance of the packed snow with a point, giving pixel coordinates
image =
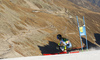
(85, 55)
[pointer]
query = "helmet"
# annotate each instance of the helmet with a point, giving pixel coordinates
(59, 36)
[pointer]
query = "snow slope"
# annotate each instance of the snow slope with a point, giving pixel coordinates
(87, 55)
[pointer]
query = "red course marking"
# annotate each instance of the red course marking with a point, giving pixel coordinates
(51, 54)
(55, 53)
(46, 54)
(73, 52)
(62, 52)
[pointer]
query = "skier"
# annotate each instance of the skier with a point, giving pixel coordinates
(64, 43)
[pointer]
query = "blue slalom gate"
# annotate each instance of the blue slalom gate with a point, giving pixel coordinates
(82, 32)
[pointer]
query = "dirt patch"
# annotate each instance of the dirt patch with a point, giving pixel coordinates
(1, 7)
(16, 49)
(31, 5)
(1, 36)
(20, 28)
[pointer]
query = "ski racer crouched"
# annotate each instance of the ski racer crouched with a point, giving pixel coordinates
(64, 43)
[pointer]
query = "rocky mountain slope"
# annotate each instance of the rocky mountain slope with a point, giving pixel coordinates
(96, 2)
(93, 5)
(26, 26)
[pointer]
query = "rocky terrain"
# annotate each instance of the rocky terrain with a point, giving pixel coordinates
(93, 5)
(96, 2)
(29, 27)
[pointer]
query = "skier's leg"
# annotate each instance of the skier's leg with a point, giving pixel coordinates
(65, 48)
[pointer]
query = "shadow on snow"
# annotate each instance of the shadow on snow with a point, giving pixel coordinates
(51, 48)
